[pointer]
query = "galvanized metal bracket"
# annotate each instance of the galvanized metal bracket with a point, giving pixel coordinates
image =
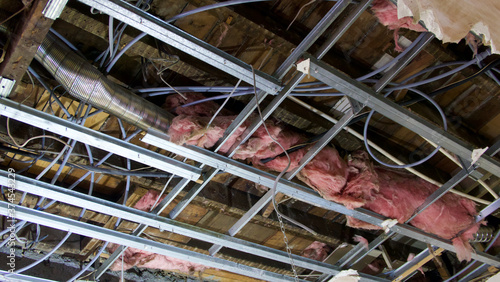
(54, 8)
(6, 86)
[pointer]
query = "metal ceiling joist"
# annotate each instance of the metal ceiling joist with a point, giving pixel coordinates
(282, 95)
(96, 139)
(108, 235)
(183, 41)
(314, 35)
(14, 277)
(264, 200)
(74, 198)
(404, 117)
(302, 193)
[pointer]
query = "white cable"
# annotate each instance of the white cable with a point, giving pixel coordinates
(275, 184)
(223, 104)
(164, 187)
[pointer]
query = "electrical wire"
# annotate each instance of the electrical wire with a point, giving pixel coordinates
(165, 90)
(222, 106)
(51, 91)
(455, 84)
(393, 61)
(365, 134)
(481, 57)
(35, 263)
(197, 10)
(66, 41)
(300, 10)
(164, 189)
(275, 185)
(32, 87)
(32, 138)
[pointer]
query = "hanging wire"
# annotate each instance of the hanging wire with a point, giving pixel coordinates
(275, 184)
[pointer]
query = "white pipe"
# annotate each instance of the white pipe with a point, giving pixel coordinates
(385, 153)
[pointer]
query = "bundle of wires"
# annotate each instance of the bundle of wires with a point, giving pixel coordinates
(311, 90)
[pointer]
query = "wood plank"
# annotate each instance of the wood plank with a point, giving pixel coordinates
(217, 222)
(134, 197)
(29, 34)
(255, 233)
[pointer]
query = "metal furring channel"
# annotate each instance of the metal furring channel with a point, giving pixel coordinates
(86, 83)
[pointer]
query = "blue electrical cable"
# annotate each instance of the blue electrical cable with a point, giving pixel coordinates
(197, 10)
(365, 132)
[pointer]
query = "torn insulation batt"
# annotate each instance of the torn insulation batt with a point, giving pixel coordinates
(140, 258)
(354, 184)
(448, 20)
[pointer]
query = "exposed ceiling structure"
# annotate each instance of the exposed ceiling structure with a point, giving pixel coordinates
(243, 140)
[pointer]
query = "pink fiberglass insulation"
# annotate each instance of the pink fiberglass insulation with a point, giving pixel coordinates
(362, 240)
(174, 102)
(375, 267)
(387, 14)
(193, 130)
(326, 173)
(411, 256)
(135, 257)
(362, 182)
(400, 194)
(140, 258)
(357, 184)
(317, 251)
(148, 200)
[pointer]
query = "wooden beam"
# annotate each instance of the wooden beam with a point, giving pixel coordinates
(24, 41)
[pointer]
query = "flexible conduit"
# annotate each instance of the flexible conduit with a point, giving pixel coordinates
(87, 84)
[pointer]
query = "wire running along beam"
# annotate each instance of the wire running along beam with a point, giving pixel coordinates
(340, 81)
(315, 33)
(101, 233)
(96, 139)
(332, 39)
(152, 219)
(183, 41)
(302, 193)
